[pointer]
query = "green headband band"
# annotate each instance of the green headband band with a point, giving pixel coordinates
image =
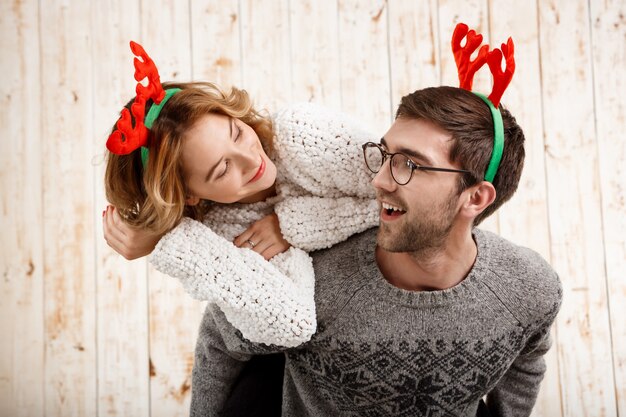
(152, 115)
(498, 139)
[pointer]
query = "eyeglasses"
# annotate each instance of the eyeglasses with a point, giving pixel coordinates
(400, 165)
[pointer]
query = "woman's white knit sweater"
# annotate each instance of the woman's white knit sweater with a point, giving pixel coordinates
(323, 197)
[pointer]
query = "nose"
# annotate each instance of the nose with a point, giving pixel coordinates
(383, 181)
(249, 158)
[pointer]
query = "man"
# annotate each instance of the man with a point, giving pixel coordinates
(426, 314)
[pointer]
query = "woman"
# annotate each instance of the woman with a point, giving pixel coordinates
(210, 174)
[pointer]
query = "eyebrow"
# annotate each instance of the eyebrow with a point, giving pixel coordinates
(409, 152)
(230, 132)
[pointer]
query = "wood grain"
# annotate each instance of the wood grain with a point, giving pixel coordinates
(21, 241)
(87, 333)
(266, 53)
(363, 49)
(68, 180)
(413, 47)
(573, 185)
(314, 47)
(608, 27)
(122, 286)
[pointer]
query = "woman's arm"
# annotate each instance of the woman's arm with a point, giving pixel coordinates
(326, 190)
(318, 152)
(269, 302)
(311, 223)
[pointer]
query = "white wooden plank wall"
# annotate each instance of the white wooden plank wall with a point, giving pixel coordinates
(21, 240)
(88, 333)
(122, 302)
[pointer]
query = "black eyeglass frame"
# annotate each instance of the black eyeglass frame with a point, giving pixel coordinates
(413, 165)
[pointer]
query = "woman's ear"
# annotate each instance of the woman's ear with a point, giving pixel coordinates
(192, 200)
(479, 197)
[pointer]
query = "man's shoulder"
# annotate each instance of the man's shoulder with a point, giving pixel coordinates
(507, 257)
(351, 249)
(520, 277)
(341, 271)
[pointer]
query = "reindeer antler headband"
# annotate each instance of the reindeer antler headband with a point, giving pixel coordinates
(501, 79)
(128, 136)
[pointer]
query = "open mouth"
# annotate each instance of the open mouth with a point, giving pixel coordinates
(391, 212)
(260, 172)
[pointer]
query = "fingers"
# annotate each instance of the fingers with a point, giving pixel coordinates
(241, 241)
(109, 233)
(254, 241)
(117, 221)
(263, 237)
(258, 227)
(268, 245)
(115, 232)
(262, 245)
(272, 251)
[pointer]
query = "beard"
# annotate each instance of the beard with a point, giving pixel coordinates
(419, 230)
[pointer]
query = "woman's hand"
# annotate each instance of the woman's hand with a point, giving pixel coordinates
(264, 237)
(129, 242)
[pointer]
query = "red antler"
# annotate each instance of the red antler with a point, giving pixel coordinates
(126, 138)
(501, 79)
(466, 67)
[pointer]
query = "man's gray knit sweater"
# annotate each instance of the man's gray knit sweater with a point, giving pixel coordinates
(383, 351)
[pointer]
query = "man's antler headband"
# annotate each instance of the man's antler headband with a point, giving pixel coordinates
(128, 136)
(501, 79)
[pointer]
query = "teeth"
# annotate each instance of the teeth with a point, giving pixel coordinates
(388, 206)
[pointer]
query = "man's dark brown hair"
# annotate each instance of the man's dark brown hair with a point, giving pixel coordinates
(468, 119)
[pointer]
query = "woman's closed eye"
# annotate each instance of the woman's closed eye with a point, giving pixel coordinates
(225, 170)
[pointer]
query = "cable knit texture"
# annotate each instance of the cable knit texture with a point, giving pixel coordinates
(323, 197)
(322, 177)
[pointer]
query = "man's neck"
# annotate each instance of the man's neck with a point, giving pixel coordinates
(433, 268)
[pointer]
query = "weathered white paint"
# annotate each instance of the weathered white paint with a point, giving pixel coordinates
(265, 52)
(68, 208)
(608, 33)
(364, 66)
(87, 333)
(413, 47)
(21, 239)
(216, 42)
(121, 287)
(573, 185)
(315, 61)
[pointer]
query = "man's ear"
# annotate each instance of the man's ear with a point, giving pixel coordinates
(192, 200)
(477, 198)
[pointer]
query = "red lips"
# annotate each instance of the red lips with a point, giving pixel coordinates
(260, 172)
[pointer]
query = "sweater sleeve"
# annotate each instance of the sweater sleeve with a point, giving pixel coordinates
(318, 152)
(326, 190)
(311, 223)
(269, 302)
(516, 392)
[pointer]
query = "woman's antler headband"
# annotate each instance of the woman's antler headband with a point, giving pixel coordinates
(130, 136)
(501, 79)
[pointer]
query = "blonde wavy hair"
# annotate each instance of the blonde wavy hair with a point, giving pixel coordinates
(154, 198)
